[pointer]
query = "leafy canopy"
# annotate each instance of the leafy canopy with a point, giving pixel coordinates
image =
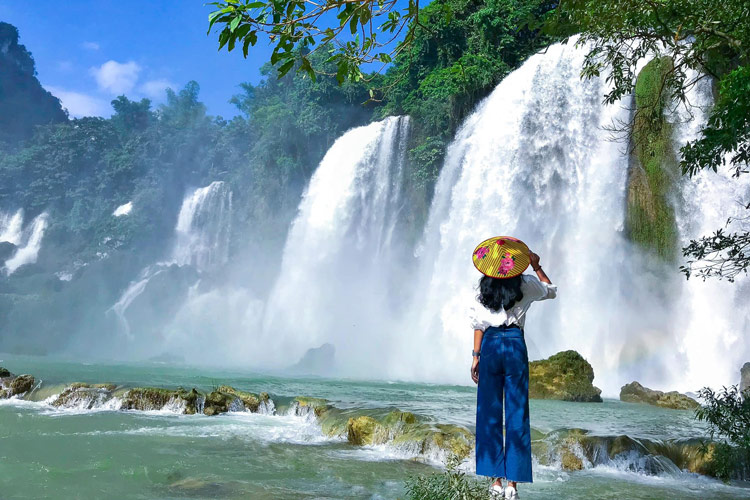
(354, 32)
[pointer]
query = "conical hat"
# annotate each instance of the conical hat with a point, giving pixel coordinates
(501, 257)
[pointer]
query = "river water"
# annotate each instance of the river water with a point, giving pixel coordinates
(47, 452)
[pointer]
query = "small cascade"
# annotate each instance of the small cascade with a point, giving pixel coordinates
(203, 227)
(11, 227)
(28, 240)
(340, 262)
(201, 240)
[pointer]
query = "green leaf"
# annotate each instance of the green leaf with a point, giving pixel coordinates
(284, 68)
(235, 22)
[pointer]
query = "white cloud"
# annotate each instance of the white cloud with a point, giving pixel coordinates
(79, 104)
(116, 78)
(155, 88)
(90, 45)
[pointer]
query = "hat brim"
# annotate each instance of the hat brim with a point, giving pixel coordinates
(501, 257)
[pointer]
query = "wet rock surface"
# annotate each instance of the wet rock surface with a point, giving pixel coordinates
(636, 393)
(565, 376)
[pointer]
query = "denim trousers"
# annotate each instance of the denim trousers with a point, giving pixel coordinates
(503, 380)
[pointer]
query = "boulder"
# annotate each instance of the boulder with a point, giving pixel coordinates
(4, 372)
(154, 398)
(745, 377)
(84, 396)
(220, 402)
(361, 430)
(565, 376)
(21, 384)
(249, 400)
(636, 393)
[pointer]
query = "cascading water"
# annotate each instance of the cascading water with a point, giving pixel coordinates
(715, 319)
(203, 227)
(201, 241)
(533, 161)
(28, 241)
(11, 227)
(337, 274)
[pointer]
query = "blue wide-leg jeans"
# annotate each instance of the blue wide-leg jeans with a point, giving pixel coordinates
(503, 379)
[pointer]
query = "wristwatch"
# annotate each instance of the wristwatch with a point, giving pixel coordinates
(474, 353)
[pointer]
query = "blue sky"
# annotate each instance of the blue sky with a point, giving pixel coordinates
(89, 52)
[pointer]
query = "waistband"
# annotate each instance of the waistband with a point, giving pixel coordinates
(508, 331)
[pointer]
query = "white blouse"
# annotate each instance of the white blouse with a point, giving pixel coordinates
(533, 289)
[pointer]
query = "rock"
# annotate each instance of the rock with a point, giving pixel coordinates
(7, 250)
(745, 377)
(304, 405)
(316, 361)
(154, 398)
(565, 376)
(21, 384)
(249, 400)
(84, 396)
(4, 372)
(361, 430)
(4, 394)
(220, 402)
(636, 393)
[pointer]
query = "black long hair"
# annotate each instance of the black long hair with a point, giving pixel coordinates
(496, 293)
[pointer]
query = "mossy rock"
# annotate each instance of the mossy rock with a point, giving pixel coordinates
(84, 395)
(455, 439)
(318, 405)
(147, 398)
(565, 376)
(4, 372)
(249, 400)
(333, 422)
(84, 385)
(650, 219)
(361, 430)
(21, 384)
(397, 417)
(4, 394)
(191, 398)
(218, 402)
(634, 392)
(570, 461)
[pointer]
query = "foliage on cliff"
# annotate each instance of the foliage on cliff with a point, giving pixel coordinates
(565, 376)
(24, 103)
(653, 175)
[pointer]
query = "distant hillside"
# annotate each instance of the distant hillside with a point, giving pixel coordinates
(23, 101)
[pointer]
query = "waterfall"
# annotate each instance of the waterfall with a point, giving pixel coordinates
(337, 269)
(202, 236)
(11, 227)
(533, 161)
(28, 241)
(715, 318)
(203, 227)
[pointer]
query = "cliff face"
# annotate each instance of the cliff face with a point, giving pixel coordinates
(653, 173)
(23, 101)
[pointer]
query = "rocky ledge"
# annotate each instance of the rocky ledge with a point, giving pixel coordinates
(636, 393)
(12, 385)
(565, 376)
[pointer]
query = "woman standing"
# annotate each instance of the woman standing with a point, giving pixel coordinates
(500, 364)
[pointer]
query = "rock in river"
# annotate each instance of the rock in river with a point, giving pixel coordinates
(566, 376)
(636, 393)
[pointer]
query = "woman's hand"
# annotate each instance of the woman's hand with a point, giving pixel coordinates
(534, 259)
(475, 370)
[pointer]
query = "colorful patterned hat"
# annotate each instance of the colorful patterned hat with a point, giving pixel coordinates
(501, 257)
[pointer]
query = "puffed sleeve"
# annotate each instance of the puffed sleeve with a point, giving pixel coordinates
(477, 320)
(534, 289)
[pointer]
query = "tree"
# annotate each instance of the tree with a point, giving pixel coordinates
(727, 414)
(349, 30)
(704, 39)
